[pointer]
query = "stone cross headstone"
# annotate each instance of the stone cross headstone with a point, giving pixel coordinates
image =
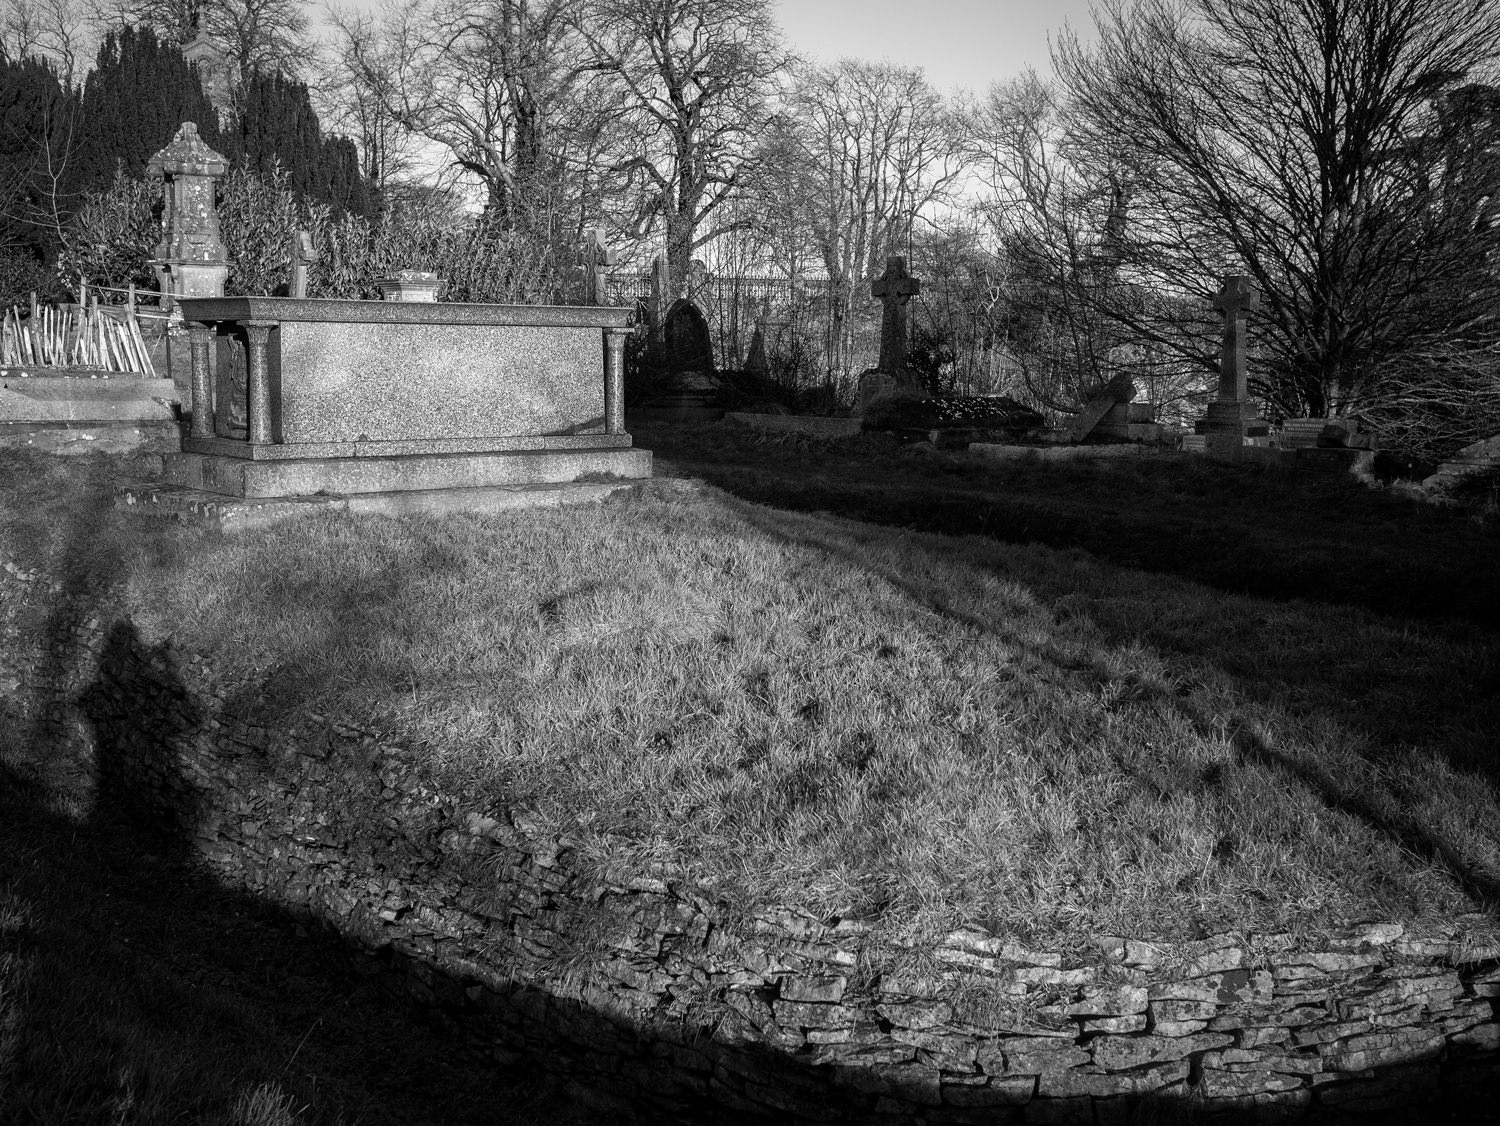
(1238, 297)
(1231, 416)
(303, 256)
(894, 288)
(190, 259)
(593, 258)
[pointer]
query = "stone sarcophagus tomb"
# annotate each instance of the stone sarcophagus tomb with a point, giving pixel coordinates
(296, 397)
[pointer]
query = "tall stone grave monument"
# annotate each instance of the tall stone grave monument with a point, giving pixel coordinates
(891, 376)
(190, 259)
(1232, 417)
(593, 261)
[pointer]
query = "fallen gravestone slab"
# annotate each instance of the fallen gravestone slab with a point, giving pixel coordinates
(1117, 391)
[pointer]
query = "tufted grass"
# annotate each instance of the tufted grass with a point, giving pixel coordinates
(918, 729)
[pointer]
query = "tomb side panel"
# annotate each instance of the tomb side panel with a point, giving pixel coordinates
(402, 382)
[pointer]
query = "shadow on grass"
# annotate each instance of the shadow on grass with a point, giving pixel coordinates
(1275, 533)
(134, 987)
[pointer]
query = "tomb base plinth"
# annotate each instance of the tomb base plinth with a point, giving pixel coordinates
(233, 514)
(1227, 426)
(311, 476)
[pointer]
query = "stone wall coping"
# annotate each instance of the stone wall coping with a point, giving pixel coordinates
(327, 310)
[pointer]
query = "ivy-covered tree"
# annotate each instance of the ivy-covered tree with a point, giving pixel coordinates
(138, 95)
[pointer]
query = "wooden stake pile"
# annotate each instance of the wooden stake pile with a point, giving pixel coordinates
(88, 335)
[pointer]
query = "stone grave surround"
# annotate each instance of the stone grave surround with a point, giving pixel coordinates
(295, 398)
(684, 1006)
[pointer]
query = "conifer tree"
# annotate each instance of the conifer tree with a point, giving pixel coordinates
(134, 101)
(278, 126)
(37, 118)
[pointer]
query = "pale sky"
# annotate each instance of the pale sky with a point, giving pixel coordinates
(967, 43)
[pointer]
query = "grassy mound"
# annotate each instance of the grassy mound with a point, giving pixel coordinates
(919, 729)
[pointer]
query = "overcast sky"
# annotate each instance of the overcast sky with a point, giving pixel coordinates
(968, 43)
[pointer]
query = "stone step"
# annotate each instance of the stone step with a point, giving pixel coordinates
(73, 436)
(235, 514)
(40, 398)
(347, 476)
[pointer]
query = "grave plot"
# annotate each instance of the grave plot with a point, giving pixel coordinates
(396, 406)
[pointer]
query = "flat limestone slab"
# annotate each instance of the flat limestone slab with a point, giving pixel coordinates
(70, 437)
(81, 398)
(249, 451)
(237, 514)
(344, 476)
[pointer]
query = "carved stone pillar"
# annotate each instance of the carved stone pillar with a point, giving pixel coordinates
(259, 390)
(190, 259)
(614, 380)
(202, 337)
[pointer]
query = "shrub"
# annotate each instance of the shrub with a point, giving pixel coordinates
(110, 240)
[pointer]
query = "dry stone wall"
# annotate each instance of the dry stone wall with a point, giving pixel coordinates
(662, 997)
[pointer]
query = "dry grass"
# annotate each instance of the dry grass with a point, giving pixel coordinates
(920, 729)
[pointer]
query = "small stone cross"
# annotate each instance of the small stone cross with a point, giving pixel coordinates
(1238, 296)
(894, 288)
(595, 255)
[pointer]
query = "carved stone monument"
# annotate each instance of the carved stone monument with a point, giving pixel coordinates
(592, 260)
(409, 285)
(1232, 417)
(190, 260)
(690, 347)
(890, 375)
(394, 407)
(303, 256)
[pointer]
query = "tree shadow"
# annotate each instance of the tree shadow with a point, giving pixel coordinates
(1349, 547)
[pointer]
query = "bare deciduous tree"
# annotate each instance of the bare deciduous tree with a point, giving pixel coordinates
(264, 35)
(697, 78)
(1299, 141)
(59, 31)
(1059, 221)
(504, 87)
(872, 148)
